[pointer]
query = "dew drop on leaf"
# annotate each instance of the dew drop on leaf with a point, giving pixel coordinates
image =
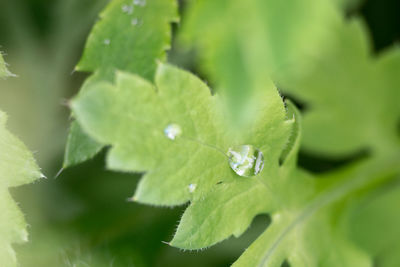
(128, 9)
(135, 21)
(139, 2)
(246, 160)
(192, 187)
(107, 41)
(172, 131)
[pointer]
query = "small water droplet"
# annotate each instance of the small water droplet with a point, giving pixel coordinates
(172, 131)
(192, 187)
(139, 2)
(107, 41)
(24, 236)
(135, 21)
(246, 160)
(128, 9)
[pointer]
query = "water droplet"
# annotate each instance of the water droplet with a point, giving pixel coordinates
(135, 21)
(172, 131)
(192, 187)
(246, 160)
(24, 235)
(139, 2)
(107, 41)
(128, 9)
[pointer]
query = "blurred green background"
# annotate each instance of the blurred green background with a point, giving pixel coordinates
(82, 217)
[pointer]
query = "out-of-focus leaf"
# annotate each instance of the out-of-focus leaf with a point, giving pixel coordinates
(241, 42)
(17, 167)
(80, 147)
(130, 36)
(352, 98)
(373, 224)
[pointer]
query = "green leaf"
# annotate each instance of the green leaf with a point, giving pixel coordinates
(379, 237)
(132, 116)
(130, 36)
(17, 167)
(80, 147)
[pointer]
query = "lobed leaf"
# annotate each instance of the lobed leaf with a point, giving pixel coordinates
(135, 127)
(132, 115)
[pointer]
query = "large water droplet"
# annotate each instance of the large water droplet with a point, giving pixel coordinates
(246, 160)
(172, 131)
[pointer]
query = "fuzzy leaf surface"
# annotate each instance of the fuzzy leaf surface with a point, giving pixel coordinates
(17, 167)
